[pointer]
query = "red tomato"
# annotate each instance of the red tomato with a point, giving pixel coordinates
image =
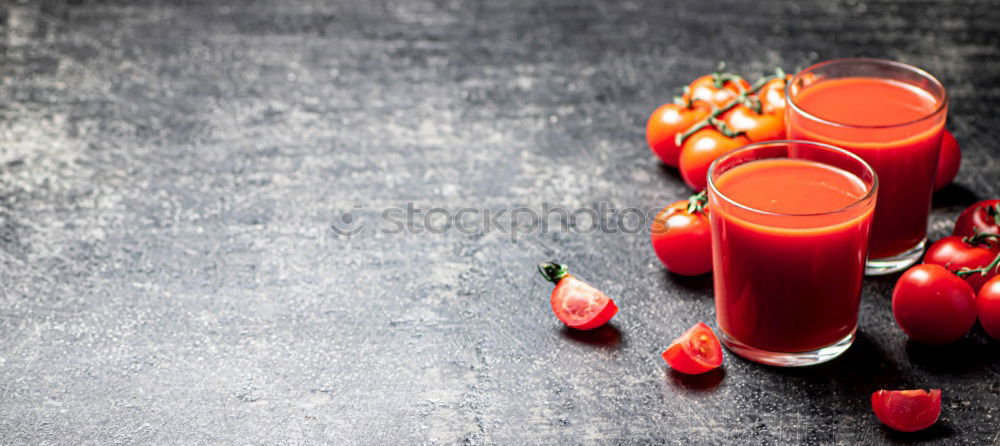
(575, 303)
(705, 89)
(681, 237)
(907, 410)
(772, 96)
(700, 149)
(932, 305)
(758, 126)
(983, 216)
(988, 306)
(949, 161)
(666, 122)
(955, 252)
(696, 351)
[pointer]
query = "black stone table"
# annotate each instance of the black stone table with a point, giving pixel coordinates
(170, 171)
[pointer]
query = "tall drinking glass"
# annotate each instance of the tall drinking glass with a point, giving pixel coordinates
(790, 222)
(891, 115)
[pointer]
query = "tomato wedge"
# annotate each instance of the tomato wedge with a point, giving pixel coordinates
(907, 410)
(575, 303)
(696, 351)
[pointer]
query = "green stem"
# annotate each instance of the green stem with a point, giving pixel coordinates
(753, 103)
(981, 270)
(697, 202)
(725, 129)
(689, 103)
(716, 112)
(981, 238)
(553, 272)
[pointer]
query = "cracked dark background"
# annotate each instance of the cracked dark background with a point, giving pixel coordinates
(169, 172)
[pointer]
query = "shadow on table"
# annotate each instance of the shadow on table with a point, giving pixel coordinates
(972, 352)
(699, 284)
(705, 382)
(606, 336)
(670, 172)
(862, 367)
(953, 195)
(941, 429)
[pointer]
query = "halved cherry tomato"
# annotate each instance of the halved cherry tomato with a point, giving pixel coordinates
(700, 149)
(907, 410)
(949, 160)
(706, 88)
(696, 351)
(669, 120)
(956, 252)
(980, 217)
(988, 306)
(757, 126)
(681, 237)
(575, 303)
(772, 96)
(932, 305)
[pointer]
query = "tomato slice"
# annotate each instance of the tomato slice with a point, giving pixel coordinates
(907, 410)
(581, 306)
(696, 351)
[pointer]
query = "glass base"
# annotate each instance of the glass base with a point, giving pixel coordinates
(898, 262)
(782, 359)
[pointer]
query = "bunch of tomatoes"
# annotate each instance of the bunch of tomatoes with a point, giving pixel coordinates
(717, 113)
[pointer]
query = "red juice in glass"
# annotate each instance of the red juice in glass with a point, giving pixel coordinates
(891, 115)
(790, 231)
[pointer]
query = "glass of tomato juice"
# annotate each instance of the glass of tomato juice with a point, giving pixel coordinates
(891, 115)
(790, 223)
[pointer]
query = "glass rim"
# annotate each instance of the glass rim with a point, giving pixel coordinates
(785, 142)
(941, 106)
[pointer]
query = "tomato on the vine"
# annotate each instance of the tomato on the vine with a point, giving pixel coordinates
(956, 252)
(575, 303)
(681, 237)
(700, 149)
(932, 305)
(983, 216)
(698, 350)
(666, 122)
(717, 89)
(756, 126)
(907, 410)
(949, 160)
(988, 307)
(772, 95)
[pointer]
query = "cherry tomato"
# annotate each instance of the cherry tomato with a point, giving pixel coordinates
(949, 161)
(666, 122)
(983, 216)
(956, 252)
(988, 306)
(907, 410)
(705, 89)
(696, 351)
(758, 126)
(681, 237)
(772, 96)
(700, 149)
(575, 303)
(932, 305)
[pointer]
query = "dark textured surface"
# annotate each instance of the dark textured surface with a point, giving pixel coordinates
(169, 173)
